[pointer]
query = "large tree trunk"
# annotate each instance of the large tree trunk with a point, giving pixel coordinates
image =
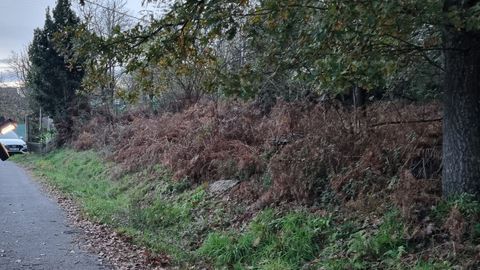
(461, 121)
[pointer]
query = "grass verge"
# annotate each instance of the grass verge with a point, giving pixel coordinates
(195, 228)
(147, 206)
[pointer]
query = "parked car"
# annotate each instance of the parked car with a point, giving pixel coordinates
(13, 143)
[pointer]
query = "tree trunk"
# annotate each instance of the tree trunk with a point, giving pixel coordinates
(358, 95)
(461, 121)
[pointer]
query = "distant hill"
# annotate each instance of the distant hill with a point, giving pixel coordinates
(12, 104)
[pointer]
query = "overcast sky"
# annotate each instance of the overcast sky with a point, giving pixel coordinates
(18, 19)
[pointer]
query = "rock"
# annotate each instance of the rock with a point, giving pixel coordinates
(221, 186)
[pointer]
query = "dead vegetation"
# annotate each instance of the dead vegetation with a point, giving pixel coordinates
(300, 152)
(305, 154)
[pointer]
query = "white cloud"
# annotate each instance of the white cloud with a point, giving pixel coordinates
(12, 84)
(7, 75)
(4, 66)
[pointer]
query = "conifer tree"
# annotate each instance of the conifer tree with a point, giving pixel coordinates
(53, 78)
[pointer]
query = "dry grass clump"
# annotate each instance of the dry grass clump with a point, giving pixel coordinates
(325, 149)
(204, 143)
(84, 141)
(306, 150)
(310, 143)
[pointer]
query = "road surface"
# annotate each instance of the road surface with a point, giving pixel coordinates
(33, 230)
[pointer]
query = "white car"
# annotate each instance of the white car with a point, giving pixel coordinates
(13, 143)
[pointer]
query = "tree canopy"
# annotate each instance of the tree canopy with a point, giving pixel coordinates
(285, 48)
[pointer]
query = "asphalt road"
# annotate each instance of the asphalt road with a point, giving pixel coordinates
(33, 229)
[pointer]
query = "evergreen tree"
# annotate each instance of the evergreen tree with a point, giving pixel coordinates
(53, 77)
